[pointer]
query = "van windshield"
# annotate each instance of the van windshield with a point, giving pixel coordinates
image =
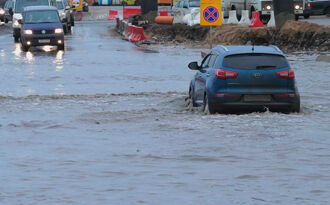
(252, 61)
(32, 17)
(20, 4)
(59, 5)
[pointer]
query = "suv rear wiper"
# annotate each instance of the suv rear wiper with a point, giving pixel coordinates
(265, 66)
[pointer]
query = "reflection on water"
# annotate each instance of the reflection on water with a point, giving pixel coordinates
(59, 60)
(17, 50)
(2, 53)
(48, 48)
(29, 57)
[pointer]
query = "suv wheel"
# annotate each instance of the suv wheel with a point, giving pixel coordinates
(60, 47)
(207, 108)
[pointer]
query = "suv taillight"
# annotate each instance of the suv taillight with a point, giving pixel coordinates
(309, 5)
(288, 74)
(225, 74)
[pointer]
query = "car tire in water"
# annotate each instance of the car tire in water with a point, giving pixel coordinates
(191, 96)
(60, 47)
(25, 48)
(306, 16)
(207, 107)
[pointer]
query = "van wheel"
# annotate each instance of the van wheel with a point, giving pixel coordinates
(60, 47)
(306, 16)
(207, 107)
(6, 20)
(25, 48)
(296, 17)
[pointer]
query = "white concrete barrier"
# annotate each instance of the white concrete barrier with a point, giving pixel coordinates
(271, 22)
(178, 16)
(245, 20)
(187, 18)
(194, 17)
(232, 17)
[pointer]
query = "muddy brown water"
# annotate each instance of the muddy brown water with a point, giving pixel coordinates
(106, 122)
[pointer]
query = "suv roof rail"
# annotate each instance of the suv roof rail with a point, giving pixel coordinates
(224, 48)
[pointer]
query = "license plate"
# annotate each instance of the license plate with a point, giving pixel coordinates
(299, 11)
(257, 98)
(265, 12)
(44, 41)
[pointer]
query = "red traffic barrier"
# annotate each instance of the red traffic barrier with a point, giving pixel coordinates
(130, 11)
(255, 21)
(138, 34)
(112, 14)
(129, 32)
(163, 13)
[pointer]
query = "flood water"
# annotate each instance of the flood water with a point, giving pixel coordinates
(106, 122)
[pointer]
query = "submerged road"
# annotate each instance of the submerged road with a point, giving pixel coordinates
(105, 122)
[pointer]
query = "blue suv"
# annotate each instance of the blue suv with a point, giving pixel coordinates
(245, 78)
(41, 25)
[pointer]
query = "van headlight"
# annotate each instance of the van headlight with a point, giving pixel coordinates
(58, 30)
(297, 7)
(62, 14)
(268, 7)
(28, 32)
(2, 12)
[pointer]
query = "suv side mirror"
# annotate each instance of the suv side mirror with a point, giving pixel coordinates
(67, 8)
(194, 66)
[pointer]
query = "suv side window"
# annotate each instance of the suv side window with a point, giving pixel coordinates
(213, 58)
(205, 62)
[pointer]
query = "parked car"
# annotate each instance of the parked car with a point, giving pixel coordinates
(2, 10)
(244, 77)
(41, 25)
(85, 6)
(19, 6)
(320, 7)
(186, 6)
(301, 8)
(64, 12)
(9, 10)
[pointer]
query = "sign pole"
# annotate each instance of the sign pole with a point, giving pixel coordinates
(210, 14)
(210, 37)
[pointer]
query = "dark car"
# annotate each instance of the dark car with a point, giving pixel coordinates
(41, 25)
(9, 10)
(85, 6)
(2, 10)
(65, 15)
(244, 78)
(319, 7)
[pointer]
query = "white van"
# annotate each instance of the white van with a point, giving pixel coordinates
(18, 9)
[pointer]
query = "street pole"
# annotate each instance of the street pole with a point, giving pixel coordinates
(284, 11)
(211, 37)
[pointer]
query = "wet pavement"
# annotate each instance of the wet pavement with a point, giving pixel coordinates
(106, 122)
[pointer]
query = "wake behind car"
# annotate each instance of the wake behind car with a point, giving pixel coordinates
(245, 78)
(41, 25)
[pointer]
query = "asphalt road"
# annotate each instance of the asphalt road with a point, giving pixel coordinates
(106, 122)
(322, 20)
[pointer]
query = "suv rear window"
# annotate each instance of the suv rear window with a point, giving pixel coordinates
(252, 61)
